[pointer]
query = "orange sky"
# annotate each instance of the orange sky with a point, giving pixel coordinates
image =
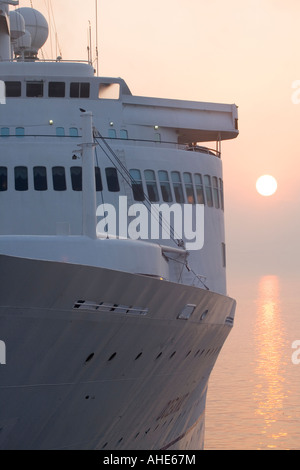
(244, 52)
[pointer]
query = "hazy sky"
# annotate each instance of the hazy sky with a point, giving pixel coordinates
(244, 52)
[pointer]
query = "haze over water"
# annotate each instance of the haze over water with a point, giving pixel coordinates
(254, 391)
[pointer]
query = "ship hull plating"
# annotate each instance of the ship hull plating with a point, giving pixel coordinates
(98, 359)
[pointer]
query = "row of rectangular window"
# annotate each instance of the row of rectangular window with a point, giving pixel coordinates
(61, 132)
(192, 188)
(59, 182)
(20, 132)
(36, 89)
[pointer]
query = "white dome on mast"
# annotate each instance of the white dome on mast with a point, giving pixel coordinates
(17, 25)
(35, 36)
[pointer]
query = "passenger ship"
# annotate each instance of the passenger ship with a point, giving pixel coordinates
(109, 339)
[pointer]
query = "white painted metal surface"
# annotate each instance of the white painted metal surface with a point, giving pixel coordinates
(109, 341)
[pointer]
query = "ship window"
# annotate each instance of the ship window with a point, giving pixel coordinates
(34, 89)
(109, 91)
(76, 178)
(98, 179)
(216, 192)
(224, 255)
(177, 186)
(165, 186)
(20, 131)
(21, 178)
(73, 132)
(208, 191)
(13, 89)
(124, 134)
(4, 131)
(199, 188)
(221, 194)
(3, 178)
(40, 178)
(112, 133)
(56, 90)
(137, 185)
(189, 188)
(59, 178)
(60, 131)
(151, 185)
(112, 180)
(79, 90)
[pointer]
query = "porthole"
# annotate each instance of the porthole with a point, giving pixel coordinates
(204, 315)
(90, 357)
(112, 356)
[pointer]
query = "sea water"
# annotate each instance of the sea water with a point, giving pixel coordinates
(254, 390)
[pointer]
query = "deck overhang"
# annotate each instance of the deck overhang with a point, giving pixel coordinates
(192, 121)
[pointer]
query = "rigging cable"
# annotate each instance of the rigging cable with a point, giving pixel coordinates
(130, 181)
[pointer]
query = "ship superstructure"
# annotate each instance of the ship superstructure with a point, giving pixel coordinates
(113, 309)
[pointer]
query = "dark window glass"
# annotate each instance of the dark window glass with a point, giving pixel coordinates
(34, 89)
(56, 90)
(59, 178)
(137, 185)
(189, 188)
(13, 89)
(208, 191)
(21, 178)
(199, 189)
(84, 90)
(74, 90)
(216, 192)
(3, 178)
(221, 194)
(79, 90)
(40, 178)
(76, 177)
(151, 185)
(224, 254)
(177, 186)
(98, 179)
(112, 179)
(165, 186)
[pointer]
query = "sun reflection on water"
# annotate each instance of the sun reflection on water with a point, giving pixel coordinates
(269, 336)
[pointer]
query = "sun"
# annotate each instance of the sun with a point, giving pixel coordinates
(266, 185)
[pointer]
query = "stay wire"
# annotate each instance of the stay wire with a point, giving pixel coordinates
(131, 181)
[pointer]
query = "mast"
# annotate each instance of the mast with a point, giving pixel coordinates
(97, 52)
(88, 177)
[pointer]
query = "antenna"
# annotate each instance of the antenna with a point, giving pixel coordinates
(97, 54)
(90, 37)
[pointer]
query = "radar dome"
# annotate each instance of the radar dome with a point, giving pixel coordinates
(23, 43)
(17, 25)
(36, 24)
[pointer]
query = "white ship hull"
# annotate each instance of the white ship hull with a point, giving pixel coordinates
(81, 375)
